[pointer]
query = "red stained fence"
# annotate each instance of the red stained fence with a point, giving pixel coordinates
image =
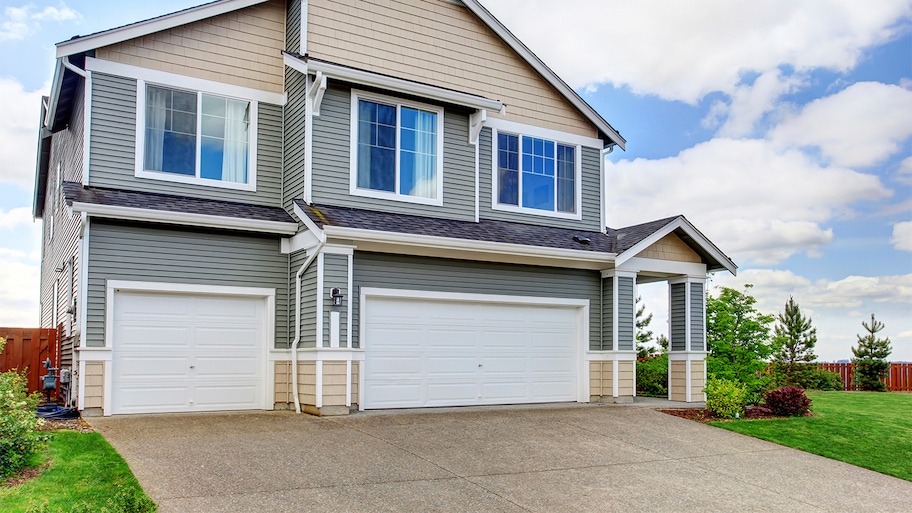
(899, 379)
(26, 350)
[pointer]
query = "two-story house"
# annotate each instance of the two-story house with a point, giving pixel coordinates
(327, 205)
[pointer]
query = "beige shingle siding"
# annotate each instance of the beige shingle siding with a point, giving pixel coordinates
(697, 368)
(242, 48)
(670, 247)
(335, 377)
(439, 43)
(94, 384)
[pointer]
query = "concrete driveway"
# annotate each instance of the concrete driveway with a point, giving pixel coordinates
(554, 458)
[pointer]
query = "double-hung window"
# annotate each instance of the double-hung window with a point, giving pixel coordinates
(396, 149)
(536, 175)
(197, 137)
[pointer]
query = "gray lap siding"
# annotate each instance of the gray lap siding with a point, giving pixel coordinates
(459, 276)
(133, 252)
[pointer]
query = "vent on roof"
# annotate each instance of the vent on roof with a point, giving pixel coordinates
(582, 240)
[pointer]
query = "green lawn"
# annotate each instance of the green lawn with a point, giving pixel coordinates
(83, 467)
(869, 429)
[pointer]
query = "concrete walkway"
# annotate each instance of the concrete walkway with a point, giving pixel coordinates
(555, 458)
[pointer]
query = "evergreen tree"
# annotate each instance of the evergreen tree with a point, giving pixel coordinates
(870, 360)
(793, 345)
(643, 334)
(662, 340)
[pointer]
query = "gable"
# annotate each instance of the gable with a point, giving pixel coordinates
(671, 247)
(242, 47)
(440, 43)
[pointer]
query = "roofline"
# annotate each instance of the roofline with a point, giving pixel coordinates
(399, 85)
(682, 223)
(184, 218)
(593, 259)
(142, 28)
(543, 69)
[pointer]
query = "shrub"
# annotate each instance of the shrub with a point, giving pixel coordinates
(788, 401)
(821, 379)
(725, 398)
(652, 376)
(19, 435)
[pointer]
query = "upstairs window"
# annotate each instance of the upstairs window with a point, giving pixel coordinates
(197, 137)
(396, 150)
(537, 174)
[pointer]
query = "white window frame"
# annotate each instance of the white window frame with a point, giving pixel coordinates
(210, 88)
(565, 139)
(354, 190)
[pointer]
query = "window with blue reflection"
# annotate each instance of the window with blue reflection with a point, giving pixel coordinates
(536, 173)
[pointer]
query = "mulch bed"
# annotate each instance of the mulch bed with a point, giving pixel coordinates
(704, 416)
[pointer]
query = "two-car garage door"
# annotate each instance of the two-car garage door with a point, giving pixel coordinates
(421, 352)
(176, 352)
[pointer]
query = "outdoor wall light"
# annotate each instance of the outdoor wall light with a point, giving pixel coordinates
(336, 296)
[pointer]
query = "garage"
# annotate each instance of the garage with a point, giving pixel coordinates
(462, 350)
(182, 352)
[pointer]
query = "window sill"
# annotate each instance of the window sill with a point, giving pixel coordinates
(537, 212)
(169, 177)
(402, 198)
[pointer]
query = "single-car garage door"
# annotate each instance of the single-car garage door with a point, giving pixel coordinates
(175, 352)
(457, 353)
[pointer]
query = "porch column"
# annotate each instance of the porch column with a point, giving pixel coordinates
(612, 369)
(687, 338)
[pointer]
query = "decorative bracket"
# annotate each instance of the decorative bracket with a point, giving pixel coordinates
(476, 123)
(317, 89)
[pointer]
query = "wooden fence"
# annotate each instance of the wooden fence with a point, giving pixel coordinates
(26, 350)
(899, 379)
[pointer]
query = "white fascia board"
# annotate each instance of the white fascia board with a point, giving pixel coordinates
(183, 218)
(402, 86)
(318, 233)
(463, 245)
(652, 265)
(690, 230)
(56, 83)
(294, 63)
(150, 26)
(544, 71)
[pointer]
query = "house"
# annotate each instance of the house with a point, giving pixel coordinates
(337, 205)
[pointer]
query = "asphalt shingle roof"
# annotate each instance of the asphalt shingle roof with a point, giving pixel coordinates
(76, 192)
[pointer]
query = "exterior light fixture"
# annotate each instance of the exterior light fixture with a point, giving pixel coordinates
(336, 296)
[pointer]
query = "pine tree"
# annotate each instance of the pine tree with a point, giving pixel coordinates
(793, 343)
(870, 360)
(643, 335)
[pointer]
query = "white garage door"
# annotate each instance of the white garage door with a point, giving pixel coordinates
(449, 353)
(183, 352)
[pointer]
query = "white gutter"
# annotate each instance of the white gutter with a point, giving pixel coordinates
(68, 65)
(184, 218)
(297, 339)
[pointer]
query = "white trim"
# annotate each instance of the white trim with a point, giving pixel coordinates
(581, 305)
(466, 245)
(157, 24)
(108, 392)
(353, 188)
(112, 286)
(308, 223)
(477, 183)
(615, 379)
(543, 133)
(318, 366)
(518, 208)
(348, 326)
(308, 142)
(338, 249)
(326, 354)
(334, 327)
(294, 63)
(640, 264)
(302, 43)
(183, 81)
(398, 85)
(544, 71)
(300, 241)
(183, 218)
(348, 383)
(604, 356)
(86, 125)
(80, 385)
(140, 170)
(319, 306)
(684, 224)
(82, 305)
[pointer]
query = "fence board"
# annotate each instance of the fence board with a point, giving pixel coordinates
(26, 350)
(899, 377)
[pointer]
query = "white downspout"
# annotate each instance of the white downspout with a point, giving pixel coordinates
(297, 339)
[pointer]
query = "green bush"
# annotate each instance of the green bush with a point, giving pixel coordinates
(726, 398)
(821, 379)
(19, 435)
(652, 376)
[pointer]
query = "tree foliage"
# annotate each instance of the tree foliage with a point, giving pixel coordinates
(870, 360)
(643, 334)
(738, 339)
(793, 344)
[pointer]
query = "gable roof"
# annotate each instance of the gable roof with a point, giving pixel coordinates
(632, 240)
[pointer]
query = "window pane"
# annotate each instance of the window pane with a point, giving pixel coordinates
(538, 191)
(418, 168)
(509, 187)
(213, 127)
(170, 144)
(566, 178)
(179, 154)
(386, 115)
(376, 146)
(183, 101)
(382, 169)
(508, 173)
(214, 106)
(408, 117)
(212, 154)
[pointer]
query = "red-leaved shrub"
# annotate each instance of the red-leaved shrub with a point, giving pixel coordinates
(788, 401)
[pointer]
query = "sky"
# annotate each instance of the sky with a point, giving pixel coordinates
(781, 129)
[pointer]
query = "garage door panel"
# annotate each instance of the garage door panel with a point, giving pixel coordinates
(518, 346)
(178, 352)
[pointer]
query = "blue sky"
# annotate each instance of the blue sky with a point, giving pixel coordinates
(782, 129)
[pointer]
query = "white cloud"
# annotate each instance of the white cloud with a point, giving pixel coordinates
(902, 236)
(20, 22)
(860, 126)
(18, 132)
(16, 217)
(685, 50)
(759, 203)
(750, 103)
(904, 173)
